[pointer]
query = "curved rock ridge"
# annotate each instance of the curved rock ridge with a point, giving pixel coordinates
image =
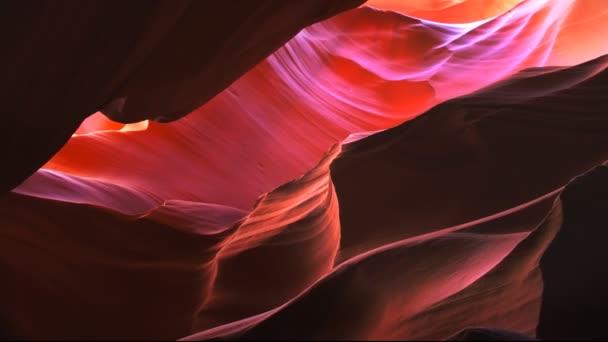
(447, 11)
(442, 169)
(313, 198)
(157, 59)
(435, 255)
(91, 258)
(403, 275)
(374, 296)
(573, 300)
(582, 22)
(378, 69)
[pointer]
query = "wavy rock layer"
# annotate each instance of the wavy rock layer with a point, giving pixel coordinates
(574, 293)
(473, 156)
(486, 263)
(155, 59)
(379, 69)
(447, 11)
(418, 231)
(435, 281)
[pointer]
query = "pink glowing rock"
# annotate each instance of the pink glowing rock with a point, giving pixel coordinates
(310, 199)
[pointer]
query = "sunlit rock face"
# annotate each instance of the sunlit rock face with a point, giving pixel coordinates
(426, 253)
(447, 11)
(156, 59)
(393, 172)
